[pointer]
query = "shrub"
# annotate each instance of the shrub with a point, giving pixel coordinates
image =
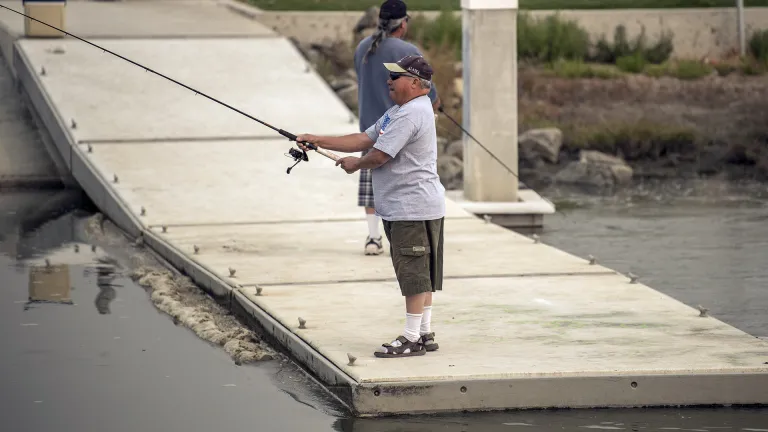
(655, 70)
(658, 53)
(631, 63)
(751, 66)
(690, 69)
(579, 69)
(758, 45)
(641, 140)
(443, 31)
(550, 39)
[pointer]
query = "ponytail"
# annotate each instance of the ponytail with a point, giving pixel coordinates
(383, 31)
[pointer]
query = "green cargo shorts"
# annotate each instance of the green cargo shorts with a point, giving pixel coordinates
(416, 248)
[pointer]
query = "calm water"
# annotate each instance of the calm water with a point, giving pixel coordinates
(111, 361)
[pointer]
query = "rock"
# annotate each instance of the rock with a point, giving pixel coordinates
(351, 74)
(336, 52)
(450, 169)
(455, 149)
(349, 95)
(541, 143)
(304, 51)
(596, 169)
(442, 142)
(313, 56)
(369, 20)
(338, 84)
(458, 87)
(458, 69)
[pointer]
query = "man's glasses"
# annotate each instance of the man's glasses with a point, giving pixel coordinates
(395, 75)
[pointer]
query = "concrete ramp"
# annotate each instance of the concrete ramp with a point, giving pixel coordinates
(112, 100)
(520, 324)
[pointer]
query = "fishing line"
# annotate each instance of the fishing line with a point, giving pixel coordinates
(440, 108)
(297, 155)
(478, 142)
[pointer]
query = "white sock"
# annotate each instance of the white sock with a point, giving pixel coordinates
(373, 226)
(412, 323)
(426, 318)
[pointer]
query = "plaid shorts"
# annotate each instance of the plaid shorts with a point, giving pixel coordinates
(365, 189)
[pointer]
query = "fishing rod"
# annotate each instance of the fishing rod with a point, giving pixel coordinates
(296, 154)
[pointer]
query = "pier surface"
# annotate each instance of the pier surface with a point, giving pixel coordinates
(520, 324)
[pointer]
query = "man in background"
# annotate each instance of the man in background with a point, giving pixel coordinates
(385, 45)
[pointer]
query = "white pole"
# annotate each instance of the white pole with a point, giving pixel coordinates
(742, 38)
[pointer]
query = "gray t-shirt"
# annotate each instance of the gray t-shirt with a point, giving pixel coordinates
(407, 188)
(373, 94)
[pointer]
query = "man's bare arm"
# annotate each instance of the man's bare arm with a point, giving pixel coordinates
(347, 143)
(374, 159)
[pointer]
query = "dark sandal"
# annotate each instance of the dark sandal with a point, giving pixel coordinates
(407, 349)
(428, 340)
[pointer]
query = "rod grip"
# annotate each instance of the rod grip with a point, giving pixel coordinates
(325, 153)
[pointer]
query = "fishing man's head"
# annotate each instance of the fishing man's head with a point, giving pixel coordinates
(410, 77)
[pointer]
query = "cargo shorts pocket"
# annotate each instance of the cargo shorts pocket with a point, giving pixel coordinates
(415, 251)
(411, 257)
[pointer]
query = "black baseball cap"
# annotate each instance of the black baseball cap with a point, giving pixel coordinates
(412, 64)
(393, 9)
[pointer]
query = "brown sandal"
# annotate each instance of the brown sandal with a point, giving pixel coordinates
(406, 349)
(428, 340)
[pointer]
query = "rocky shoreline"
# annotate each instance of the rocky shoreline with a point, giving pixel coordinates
(603, 134)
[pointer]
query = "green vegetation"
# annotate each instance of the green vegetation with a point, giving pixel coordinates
(641, 140)
(565, 49)
(758, 45)
(360, 5)
(443, 31)
(550, 39)
(579, 69)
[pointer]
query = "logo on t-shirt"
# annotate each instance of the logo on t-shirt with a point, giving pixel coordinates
(384, 124)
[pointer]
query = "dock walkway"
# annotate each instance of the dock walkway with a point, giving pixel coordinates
(520, 324)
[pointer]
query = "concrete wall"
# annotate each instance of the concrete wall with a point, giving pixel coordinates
(697, 32)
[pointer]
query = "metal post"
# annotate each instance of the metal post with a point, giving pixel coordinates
(742, 37)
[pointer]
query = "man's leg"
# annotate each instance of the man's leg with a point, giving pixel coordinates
(435, 230)
(411, 256)
(373, 244)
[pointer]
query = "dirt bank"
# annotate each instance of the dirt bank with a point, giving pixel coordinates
(662, 127)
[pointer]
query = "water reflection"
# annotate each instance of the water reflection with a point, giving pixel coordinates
(104, 280)
(79, 336)
(49, 284)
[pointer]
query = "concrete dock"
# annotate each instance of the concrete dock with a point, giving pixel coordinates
(520, 324)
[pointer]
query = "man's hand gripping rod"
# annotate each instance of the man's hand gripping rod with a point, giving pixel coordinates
(301, 155)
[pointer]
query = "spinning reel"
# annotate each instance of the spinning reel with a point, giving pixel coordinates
(298, 156)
